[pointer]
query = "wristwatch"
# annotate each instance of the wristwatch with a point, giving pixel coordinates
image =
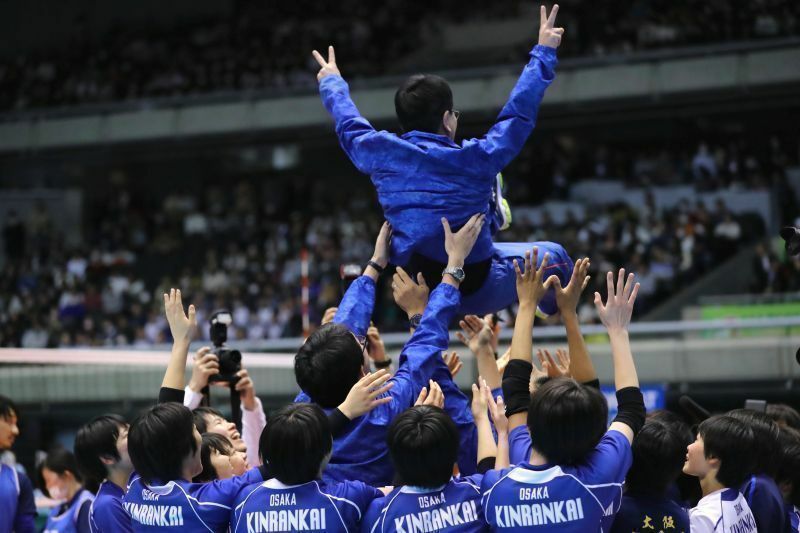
(456, 272)
(415, 320)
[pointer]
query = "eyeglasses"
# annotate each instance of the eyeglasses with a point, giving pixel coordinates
(456, 113)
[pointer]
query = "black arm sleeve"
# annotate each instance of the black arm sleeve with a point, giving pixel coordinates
(595, 383)
(516, 380)
(630, 410)
(167, 394)
(486, 464)
(338, 421)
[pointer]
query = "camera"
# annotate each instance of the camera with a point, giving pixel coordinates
(230, 361)
(792, 237)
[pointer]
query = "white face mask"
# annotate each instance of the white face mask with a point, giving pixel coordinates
(58, 493)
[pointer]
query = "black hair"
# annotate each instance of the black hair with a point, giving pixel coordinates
(199, 415)
(159, 440)
(659, 452)
(783, 414)
(328, 364)
(7, 408)
(211, 443)
(421, 101)
(767, 434)
(296, 443)
(423, 446)
(566, 420)
(97, 439)
(731, 441)
(60, 461)
(789, 473)
(688, 486)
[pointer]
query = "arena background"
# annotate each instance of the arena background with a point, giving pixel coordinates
(155, 144)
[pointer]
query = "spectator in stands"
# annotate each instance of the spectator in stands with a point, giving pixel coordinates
(101, 450)
(63, 483)
(721, 457)
(17, 507)
(659, 451)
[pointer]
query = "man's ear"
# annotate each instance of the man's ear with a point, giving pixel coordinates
(445, 126)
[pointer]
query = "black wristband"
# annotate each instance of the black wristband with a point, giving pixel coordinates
(486, 464)
(516, 380)
(376, 266)
(595, 383)
(338, 421)
(383, 364)
(630, 408)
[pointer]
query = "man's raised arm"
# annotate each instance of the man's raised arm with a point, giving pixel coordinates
(517, 119)
(356, 134)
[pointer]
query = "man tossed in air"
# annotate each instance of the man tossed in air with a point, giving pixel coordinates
(423, 176)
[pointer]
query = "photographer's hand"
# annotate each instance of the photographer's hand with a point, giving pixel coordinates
(246, 388)
(206, 364)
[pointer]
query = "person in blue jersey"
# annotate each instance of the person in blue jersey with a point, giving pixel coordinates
(17, 507)
(220, 459)
(330, 362)
(164, 447)
(101, 450)
(573, 479)
(423, 175)
(789, 477)
(760, 490)
(659, 451)
(296, 444)
(63, 483)
(722, 458)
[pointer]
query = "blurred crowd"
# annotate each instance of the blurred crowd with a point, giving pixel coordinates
(266, 45)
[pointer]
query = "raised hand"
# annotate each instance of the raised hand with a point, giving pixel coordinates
(458, 245)
(411, 296)
(497, 409)
(180, 325)
(329, 68)
(453, 362)
(363, 396)
(433, 396)
(247, 389)
(206, 364)
(376, 350)
(616, 313)
(329, 315)
(530, 288)
(477, 334)
(568, 297)
(480, 407)
(555, 367)
(548, 35)
(381, 253)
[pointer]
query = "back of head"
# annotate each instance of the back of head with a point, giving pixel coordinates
(566, 420)
(97, 440)
(659, 451)
(789, 474)
(781, 413)
(767, 435)
(211, 442)
(423, 445)
(159, 440)
(731, 441)
(328, 364)
(296, 443)
(421, 101)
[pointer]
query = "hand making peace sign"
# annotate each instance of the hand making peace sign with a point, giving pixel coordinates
(548, 35)
(329, 67)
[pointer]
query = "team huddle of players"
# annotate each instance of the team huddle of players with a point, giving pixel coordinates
(404, 449)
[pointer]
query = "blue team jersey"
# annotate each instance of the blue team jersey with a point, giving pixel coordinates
(576, 498)
(519, 445)
(312, 506)
(766, 502)
(66, 518)
(107, 515)
(793, 518)
(454, 507)
(17, 511)
(650, 513)
(183, 506)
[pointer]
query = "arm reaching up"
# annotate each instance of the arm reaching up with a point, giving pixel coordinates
(615, 315)
(478, 337)
(181, 327)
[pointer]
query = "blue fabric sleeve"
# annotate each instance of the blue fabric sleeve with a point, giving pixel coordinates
(519, 445)
(609, 462)
(358, 138)
(516, 120)
(421, 357)
(225, 491)
(111, 516)
(83, 518)
(24, 522)
(355, 309)
(357, 492)
(372, 514)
